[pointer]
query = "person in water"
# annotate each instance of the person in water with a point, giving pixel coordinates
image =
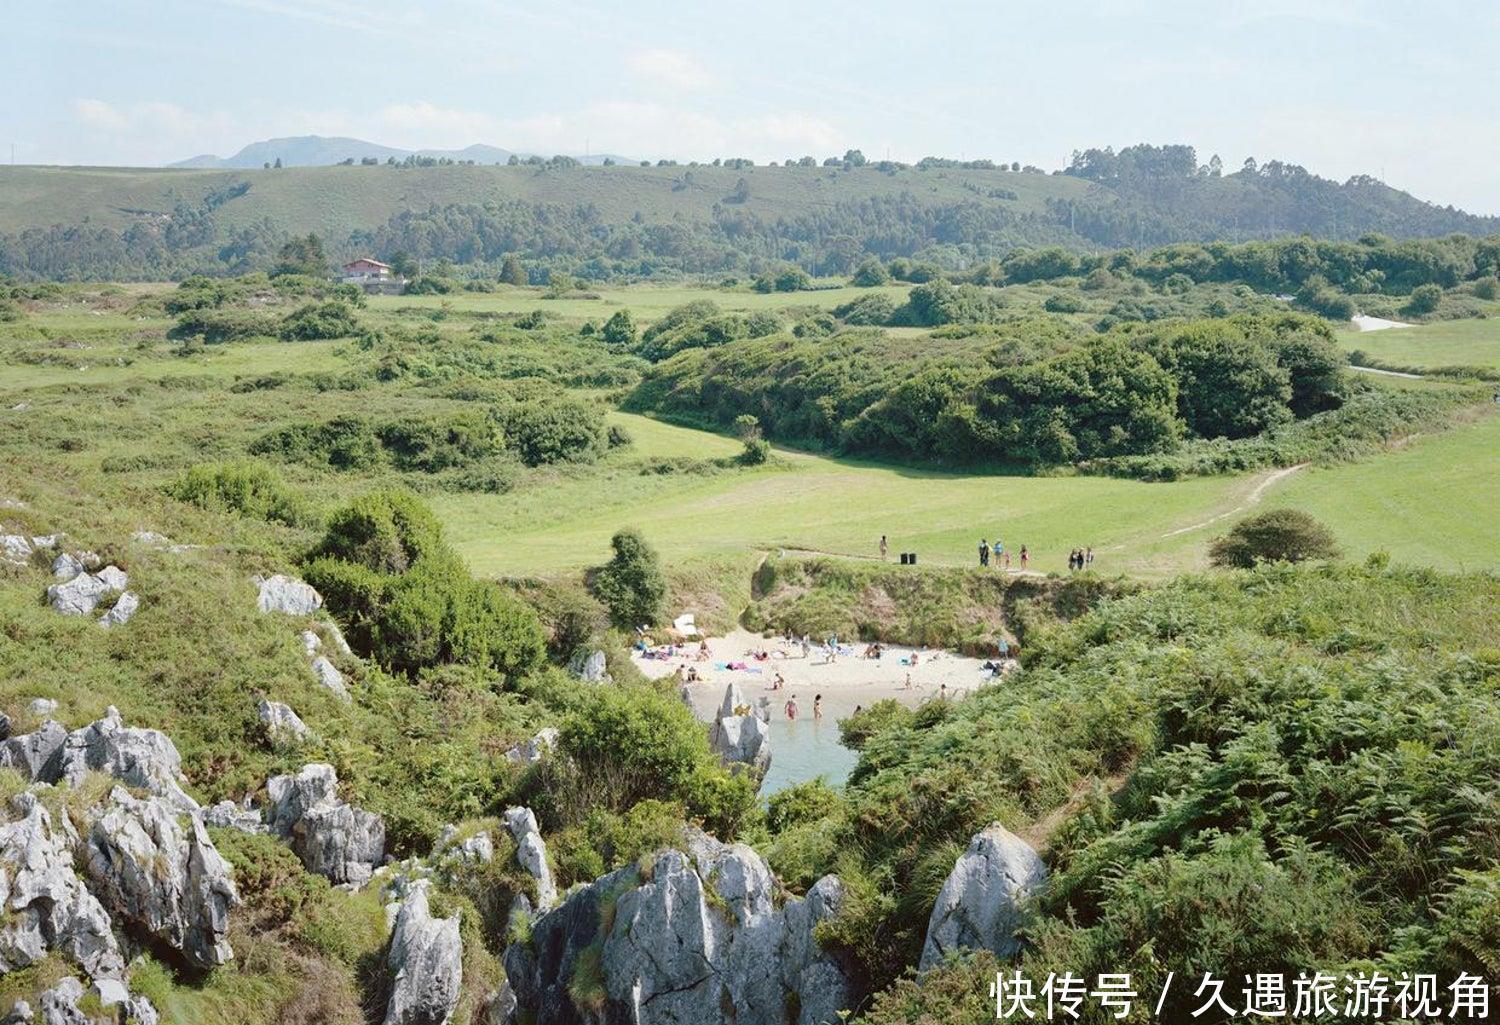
(817, 706)
(791, 707)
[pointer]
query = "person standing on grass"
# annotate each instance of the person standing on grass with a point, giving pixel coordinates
(1025, 557)
(999, 550)
(984, 551)
(1088, 556)
(1007, 562)
(884, 548)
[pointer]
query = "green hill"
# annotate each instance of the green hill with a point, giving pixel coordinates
(632, 221)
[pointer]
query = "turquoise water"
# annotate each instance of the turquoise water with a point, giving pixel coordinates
(804, 750)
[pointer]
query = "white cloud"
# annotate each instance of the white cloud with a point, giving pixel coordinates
(670, 69)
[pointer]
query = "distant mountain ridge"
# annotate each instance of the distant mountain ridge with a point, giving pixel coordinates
(323, 151)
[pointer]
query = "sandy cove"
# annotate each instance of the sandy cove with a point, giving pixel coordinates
(849, 681)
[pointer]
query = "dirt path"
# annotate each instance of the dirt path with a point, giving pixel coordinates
(1385, 373)
(1039, 833)
(1253, 498)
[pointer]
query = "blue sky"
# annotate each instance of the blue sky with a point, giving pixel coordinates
(1403, 90)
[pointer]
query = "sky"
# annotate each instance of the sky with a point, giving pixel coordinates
(1404, 91)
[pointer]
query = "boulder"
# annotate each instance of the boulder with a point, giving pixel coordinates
(500, 1005)
(734, 702)
(698, 939)
(4, 727)
(137, 757)
(42, 708)
(283, 725)
(331, 837)
(979, 905)
(45, 905)
(67, 566)
(739, 736)
(36, 755)
(329, 676)
(425, 961)
(336, 636)
(531, 853)
(534, 750)
(311, 642)
(158, 869)
(286, 594)
(79, 596)
(123, 609)
(113, 578)
(60, 1004)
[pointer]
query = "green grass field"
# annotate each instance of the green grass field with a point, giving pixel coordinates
(645, 302)
(1417, 502)
(1445, 343)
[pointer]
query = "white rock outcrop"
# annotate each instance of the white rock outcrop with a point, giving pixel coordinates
(125, 606)
(47, 908)
(329, 676)
(531, 853)
(534, 750)
(280, 593)
(699, 939)
(979, 906)
(81, 594)
(283, 726)
(138, 757)
(425, 960)
(333, 838)
(739, 736)
(156, 867)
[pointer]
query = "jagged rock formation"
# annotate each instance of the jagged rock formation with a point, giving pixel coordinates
(45, 904)
(283, 725)
(739, 736)
(671, 953)
(531, 853)
(331, 837)
(534, 750)
(979, 904)
(592, 667)
(228, 815)
(159, 869)
(139, 757)
(286, 594)
(425, 960)
(59, 1005)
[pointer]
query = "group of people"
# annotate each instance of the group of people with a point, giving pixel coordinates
(995, 553)
(1080, 558)
(791, 707)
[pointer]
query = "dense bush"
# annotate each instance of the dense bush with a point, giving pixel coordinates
(344, 443)
(1280, 535)
(866, 311)
(434, 443)
(314, 321)
(406, 599)
(871, 273)
(215, 326)
(245, 487)
(560, 431)
(631, 585)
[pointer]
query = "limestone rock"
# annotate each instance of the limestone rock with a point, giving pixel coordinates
(979, 904)
(157, 868)
(739, 736)
(500, 1005)
(534, 750)
(283, 725)
(699, 940)
(60, 1004)
(15, 549)
(80, 595)
(113, 578)
(286, 594)
(67, 566)
(426, 964)
(134, 756)
(228, 815)
(331, 837)
(123, 609)
(329, 676)
(531, 852)
(45, 905)
(42, 707)
(36, 755)
(591, 668)
(311, 642)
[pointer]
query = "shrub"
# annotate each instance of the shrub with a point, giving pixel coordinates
(1062, 302)
(245, 487)
(1424, 300)
(345, 443)
(867, 310)
(435, 443)
(1280, 535)
(870, 274)
(619, 329)
(315, 321)
(384, 531)
(544, 432)
(632, 585)
(216, 326)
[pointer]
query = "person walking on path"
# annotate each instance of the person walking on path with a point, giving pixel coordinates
(1088, 556)
(984, 551)
(884, 548)
(999, 549)
(1025, 558)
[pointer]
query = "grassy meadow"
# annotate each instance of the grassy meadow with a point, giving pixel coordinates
(1443, 343)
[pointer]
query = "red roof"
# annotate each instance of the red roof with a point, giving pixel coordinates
(366, 261)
